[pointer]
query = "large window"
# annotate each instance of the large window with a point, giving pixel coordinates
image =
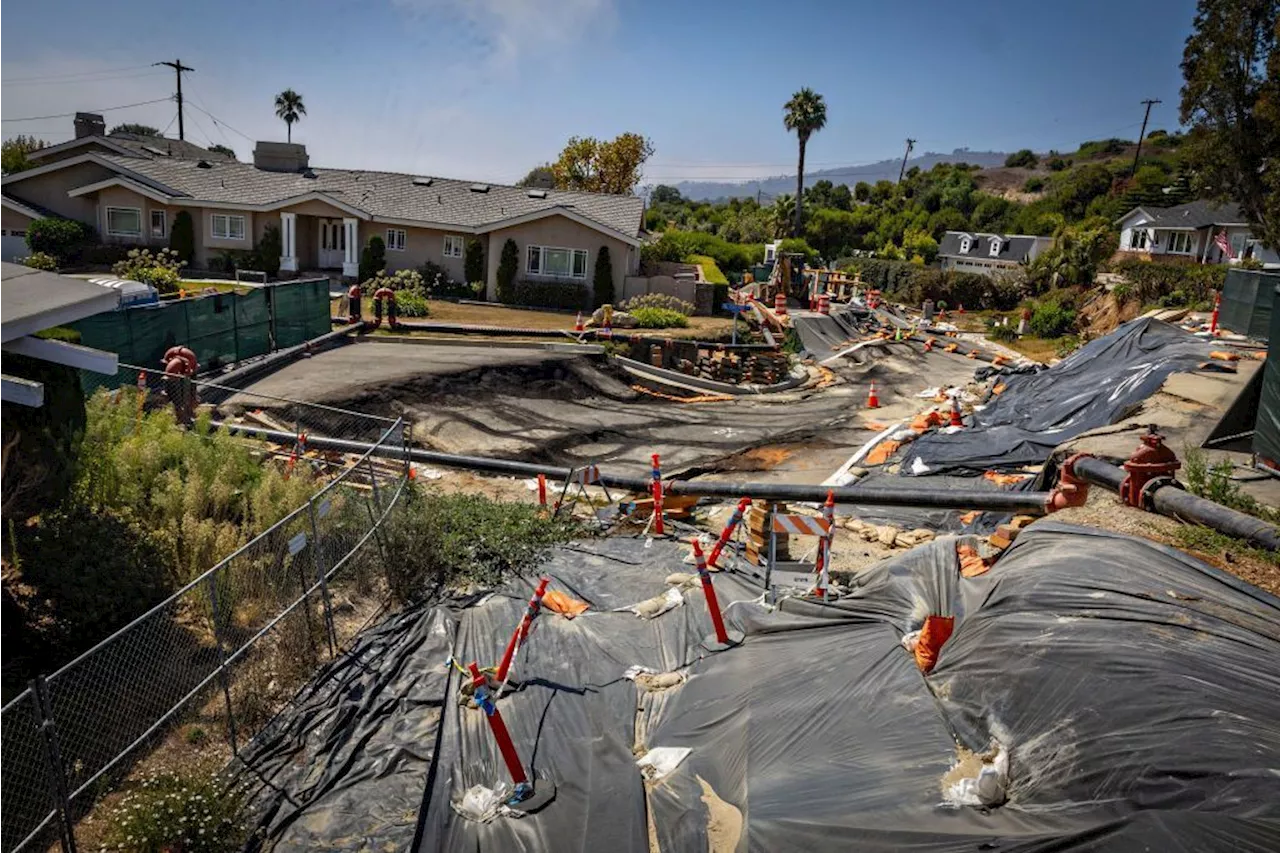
(124, 222)
(453, 245)
(1138, 239)
(157, 223)
(395, 239)
(1180, 242)
(226, 226)
(556, 263)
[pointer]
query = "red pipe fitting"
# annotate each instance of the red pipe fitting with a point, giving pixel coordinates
(1152, 460)
(1072, 490)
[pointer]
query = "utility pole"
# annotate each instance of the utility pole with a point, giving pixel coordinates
(1149, 102)
(911, 143)
(178, 68)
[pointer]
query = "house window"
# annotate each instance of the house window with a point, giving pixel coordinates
(965, 244)
(1237, 246)
(995, 247)
(1180, 242)
(453, 245)
(1138, 239)
(157, 223)
(124, 222)
(556, 262)
(225, 226)
(395, 239)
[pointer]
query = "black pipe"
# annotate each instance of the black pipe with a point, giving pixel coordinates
(905, 495)
(1176, 503)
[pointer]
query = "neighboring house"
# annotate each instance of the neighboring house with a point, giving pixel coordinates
(325, 216)
(986, 254)
(1193, 231)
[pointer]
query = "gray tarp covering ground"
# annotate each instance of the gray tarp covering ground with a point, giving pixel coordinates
(1132, 687)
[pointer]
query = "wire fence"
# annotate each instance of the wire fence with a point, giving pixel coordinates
(229, 648)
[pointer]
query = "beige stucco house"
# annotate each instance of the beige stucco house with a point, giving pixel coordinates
(131, 192)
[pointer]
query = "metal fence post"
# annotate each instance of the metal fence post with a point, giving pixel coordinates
(53, 756)
(223, 676)
(322, 572)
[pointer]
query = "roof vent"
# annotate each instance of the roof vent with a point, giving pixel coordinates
(204, 164)
(479, 188)
(536, 193)
(423, 182)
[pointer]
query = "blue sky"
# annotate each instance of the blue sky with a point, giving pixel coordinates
(489, 88)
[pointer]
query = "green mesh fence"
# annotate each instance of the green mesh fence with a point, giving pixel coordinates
(1247, 298)
(221, 328)
(1266, 436)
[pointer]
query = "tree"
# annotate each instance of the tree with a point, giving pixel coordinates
(539, 178)
(62, 238)
(664, 194)
(1024, 159)
(602, 166)
(182, 237)
(806, 114)
(223, 149)
(373, 258)
(15, 153)
(783, 214)
(1231, 101)
(508, 266)
(841, 198)
(602, 280)
(862, 191)
(289, 108)
(136, 129)
(473, 264)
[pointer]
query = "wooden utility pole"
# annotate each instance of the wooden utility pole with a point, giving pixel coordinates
(1149, 102)
(178, 68)
(911, 143)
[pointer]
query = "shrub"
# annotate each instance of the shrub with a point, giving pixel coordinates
(104, 254)
(1122, 293)
(1052, 320)
(659, 318)
(1034, 184)
(1024, 159)
(677, 245)
(565, 295)
(1153, 279)
(182, 237)
(1213, 482)
(161, 270)
(1101, 147)
(267, 251)
(400, 280)
(412, 303)
(602, 279)
(373, 258)
(62, 238)
(1003, 334)
(658, 300)
(508, 266)
(193, 813)
(710, 269)
(1056, 164)
(40, 261)
(473, 264)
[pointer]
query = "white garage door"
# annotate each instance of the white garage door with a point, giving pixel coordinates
(13, 244)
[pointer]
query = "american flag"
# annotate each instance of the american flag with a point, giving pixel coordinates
(1224, 244)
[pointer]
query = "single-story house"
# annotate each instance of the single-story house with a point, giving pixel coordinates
(1195, 231)
(986, 254)
(325, 216)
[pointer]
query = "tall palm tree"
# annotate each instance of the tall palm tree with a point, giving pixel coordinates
(806, 114)
(290, 108)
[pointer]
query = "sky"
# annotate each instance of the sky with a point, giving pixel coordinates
(487, 89)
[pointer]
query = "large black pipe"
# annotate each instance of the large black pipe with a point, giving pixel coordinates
(1176, 503)
(905, 495)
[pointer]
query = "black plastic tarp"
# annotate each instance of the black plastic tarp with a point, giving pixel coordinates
(1132, 688)
(1095, 386)
(1247, 302)
(1266, 436)
(824, 334)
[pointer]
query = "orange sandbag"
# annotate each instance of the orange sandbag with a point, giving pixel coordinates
(970, 517)
(936, 631)
(875, 426)
(971, 562)
(951, 348)
(882, 451)
(567, 607)
(999, 389)
(973, 353)
(1224, 356)
(1004, 479)
(926, 420)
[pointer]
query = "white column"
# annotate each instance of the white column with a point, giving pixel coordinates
(288, 242)
(351, 259)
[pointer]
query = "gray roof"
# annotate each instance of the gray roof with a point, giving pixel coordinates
(1014, 248)
(32, 301)
(135, 144)
(1193, 214)
(384, 195)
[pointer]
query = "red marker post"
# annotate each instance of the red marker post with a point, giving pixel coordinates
(727, 533)
(542, 490)
(722, 639)
(522, 630)
(657, 497)
(500, 733)
(823, 568)
(1213, 318)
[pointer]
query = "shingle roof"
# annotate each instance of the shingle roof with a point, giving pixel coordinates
(385, 195)
(1013, 247)
(136, 144)
(1193, 214)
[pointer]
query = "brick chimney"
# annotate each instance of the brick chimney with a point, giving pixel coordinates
(90, 124)
(280, 156)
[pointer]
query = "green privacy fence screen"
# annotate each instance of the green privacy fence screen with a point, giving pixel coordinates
(1266, 436)
(1247, 302)
(222, 328)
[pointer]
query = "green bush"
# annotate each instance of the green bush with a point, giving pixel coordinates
(1034, 184)
(373, 258)
(909, 283)
(40, 261)
(1122, 292)
(62, 238)
(104, 254)
(1101, 147)
(267, 251)
(400, 280)
(508, 266)
(182, 237)
(412, 303)
(1052, 320)
(659, 318)
(1213, 482)
(602, 279)
(161, 270)
(1056, 164)
(473, 264)
(658, 300)
(1154, 279)
(1024, 159)
(191, 813)
(564, 295)
(710, 269)
(1003, 334)
(675, 246)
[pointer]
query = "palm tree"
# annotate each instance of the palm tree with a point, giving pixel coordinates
(806, 114)
(290, 108)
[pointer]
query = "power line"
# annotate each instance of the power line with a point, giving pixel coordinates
(98, 110)
(79, 82)
(74, 74)
(217, 122)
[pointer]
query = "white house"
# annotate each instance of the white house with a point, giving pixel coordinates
(986, 254)
(1195, 230)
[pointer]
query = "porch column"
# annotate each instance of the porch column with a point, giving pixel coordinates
(351, 258)
(288, 242)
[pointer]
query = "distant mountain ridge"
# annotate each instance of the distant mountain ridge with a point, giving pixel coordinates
(886, 170)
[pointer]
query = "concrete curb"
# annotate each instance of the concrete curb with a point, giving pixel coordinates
(573, 349)
(682, 380)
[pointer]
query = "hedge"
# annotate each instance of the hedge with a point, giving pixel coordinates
(910, 283)
(566, 295)
(1154, 279)
(710, 270)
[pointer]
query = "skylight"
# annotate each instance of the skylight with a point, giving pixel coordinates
(423, 182)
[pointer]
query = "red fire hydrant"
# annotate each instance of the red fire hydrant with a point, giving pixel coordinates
(1151, 461)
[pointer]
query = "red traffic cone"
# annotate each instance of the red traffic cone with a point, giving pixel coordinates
(578, 325)
(873, 402)
(956, 420)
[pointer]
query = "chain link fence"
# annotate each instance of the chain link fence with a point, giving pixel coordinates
(229, 649)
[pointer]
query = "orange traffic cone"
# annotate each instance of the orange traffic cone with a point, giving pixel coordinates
(873, 402)
(578, 325)
(956, 420)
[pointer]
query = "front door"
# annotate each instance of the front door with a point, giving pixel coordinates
(333, 243)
